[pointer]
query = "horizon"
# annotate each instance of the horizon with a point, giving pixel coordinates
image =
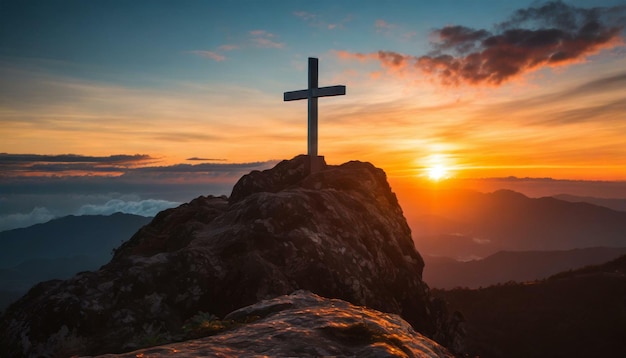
(148, 104)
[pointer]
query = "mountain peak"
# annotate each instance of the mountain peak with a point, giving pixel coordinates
(338, 233)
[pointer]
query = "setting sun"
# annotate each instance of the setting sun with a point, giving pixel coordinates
(437, 172)
(437, 166)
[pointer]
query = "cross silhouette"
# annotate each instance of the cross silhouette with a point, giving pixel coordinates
(312, 94)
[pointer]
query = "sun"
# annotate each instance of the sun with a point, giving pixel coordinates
(437, 172)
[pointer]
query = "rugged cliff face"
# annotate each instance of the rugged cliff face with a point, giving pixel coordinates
(339, 233)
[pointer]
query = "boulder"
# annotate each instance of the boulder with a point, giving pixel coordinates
(304, 324)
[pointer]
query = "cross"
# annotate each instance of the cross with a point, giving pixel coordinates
(312, 94)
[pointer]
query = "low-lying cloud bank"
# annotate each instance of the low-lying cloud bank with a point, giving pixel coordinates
(18, 220)
(149, 207)
(37, 188)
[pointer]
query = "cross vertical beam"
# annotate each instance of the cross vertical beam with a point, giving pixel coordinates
(312, 93)
(312, 120)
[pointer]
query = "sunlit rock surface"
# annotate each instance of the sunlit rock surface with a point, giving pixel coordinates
(339, 233)
(306, 325)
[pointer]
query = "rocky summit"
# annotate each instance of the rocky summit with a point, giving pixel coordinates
(338, 233)
(304, 324)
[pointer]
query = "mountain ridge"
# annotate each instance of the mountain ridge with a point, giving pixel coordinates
(68, 236)
(339, 233)
(506, 266)
(482, 224)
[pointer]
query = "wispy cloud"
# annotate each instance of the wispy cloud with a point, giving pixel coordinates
(216, 55)
(550, 35)
(264, 39)
(209, 54)
(316, 21)
(382, 26)
(228, 47)
(17, 220)
(255, 39)
(304, 15)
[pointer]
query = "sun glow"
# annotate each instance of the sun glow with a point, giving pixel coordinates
(437, 172)
(437, 167)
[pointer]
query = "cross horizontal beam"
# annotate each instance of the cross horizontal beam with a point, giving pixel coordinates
(315, 93)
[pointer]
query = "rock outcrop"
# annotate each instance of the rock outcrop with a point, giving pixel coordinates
(304, 324)
(339, 233)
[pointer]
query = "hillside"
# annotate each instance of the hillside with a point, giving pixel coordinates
(59, 249)
(505, 266)
(580, 313)
(464, 224)
(92, 235)
(615, 204)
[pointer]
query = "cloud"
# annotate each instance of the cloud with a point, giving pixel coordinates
(209, 54)
(121, 165)
(264, 39)
(19, 220)
(207, 159)
(257, 38)
(304, 15)
(149, 207)
(18, 164)
(572, 105)
(228, 47)
(6, 158)
(315, 21)
(382, 25)
(550, 35)
(217, 54)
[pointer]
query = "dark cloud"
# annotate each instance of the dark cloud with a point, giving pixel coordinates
(460, 38)
(206, 159)
(553, 34)
(549, 35)
(203, 168)
(6, 158)
(125, 166)
(20, 164)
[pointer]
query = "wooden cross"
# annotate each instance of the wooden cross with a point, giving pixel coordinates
(312, 94)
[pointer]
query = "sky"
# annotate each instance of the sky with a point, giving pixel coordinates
(136, 106)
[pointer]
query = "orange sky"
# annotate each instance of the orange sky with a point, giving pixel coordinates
(563, 120)
(575, 131)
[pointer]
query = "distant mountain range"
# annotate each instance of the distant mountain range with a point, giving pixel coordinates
(506, 266)
(615, 204)
(91, 235)
(465, 225)
(581, 313)
(59, 249)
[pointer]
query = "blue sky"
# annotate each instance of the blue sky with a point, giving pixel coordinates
(160, 82)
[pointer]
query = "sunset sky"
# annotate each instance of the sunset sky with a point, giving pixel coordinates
(184, 91)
